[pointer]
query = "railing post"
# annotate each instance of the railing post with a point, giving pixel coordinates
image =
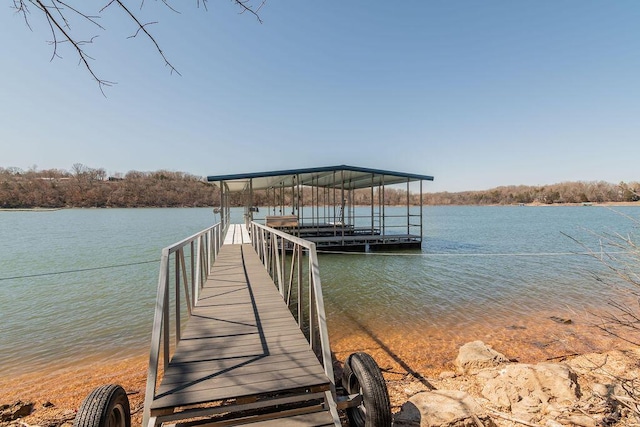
(283, 257)
(278, 266)
(204, 273)
(215, 244)
(299, 285)
(187, 295)
(205, 253)
(198, 265)
(253, 238)
(312, 333)
(210, 255)
(264, 247)
(219, 240)
(166, 321)
(294, 253)
(179, 255)
(194, 288)
(271, 268)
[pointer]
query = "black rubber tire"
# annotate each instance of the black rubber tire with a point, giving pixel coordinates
(105, 406)
(362, 375)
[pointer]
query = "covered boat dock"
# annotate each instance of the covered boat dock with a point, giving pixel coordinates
(339, 208)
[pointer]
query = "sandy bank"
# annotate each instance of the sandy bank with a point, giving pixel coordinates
(409, 360)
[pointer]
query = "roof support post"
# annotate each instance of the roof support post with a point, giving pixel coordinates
(421, 209)
(408, 210)
(300, 203)
(384, 223)
(372, 204)
(250, 213)
(342, 204)
(334, 199)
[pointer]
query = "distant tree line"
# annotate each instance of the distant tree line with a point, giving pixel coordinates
(565, 192)
(88, 187)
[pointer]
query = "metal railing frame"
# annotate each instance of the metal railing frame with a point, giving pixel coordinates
(272, 246)
(201, 250)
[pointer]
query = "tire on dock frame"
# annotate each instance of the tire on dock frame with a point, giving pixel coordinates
(361, 375)
(105, 406)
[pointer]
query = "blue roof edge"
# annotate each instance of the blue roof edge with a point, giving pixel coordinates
(215, 178)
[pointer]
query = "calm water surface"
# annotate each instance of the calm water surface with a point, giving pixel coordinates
(480, 267)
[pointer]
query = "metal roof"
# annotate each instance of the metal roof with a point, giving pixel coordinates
(343, 176)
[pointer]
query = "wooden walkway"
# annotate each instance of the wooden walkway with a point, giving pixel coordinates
(237, 235)
(242, 345)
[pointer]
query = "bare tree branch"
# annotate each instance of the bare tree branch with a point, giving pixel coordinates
(21, 7)
(54, 23)
(166, 3)
(56, 13)
(246, 7)
(89, 18)
(619, 254)
(141, 27)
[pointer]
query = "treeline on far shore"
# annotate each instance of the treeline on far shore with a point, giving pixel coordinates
(565, 192)
(88, 187)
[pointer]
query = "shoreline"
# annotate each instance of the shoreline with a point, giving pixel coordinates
(30, 209)
(407, 360)
(534, 204)
(57, 395)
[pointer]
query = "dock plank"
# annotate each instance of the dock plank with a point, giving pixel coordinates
(191, 372)
(318, 419)
(237, 235)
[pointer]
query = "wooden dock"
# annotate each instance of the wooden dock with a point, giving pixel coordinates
(242, 354)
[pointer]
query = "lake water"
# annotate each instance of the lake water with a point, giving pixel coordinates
(79, 285)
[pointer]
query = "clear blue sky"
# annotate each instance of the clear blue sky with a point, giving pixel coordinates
(477, 93)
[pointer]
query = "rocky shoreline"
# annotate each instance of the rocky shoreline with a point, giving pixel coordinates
(486, 389)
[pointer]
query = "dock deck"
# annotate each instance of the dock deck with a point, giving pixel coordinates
(243, 347)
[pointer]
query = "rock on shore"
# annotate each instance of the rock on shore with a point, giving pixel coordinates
(11, 412)
(589, 391)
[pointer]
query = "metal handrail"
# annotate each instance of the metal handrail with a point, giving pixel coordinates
(201, 250)
(281, 254)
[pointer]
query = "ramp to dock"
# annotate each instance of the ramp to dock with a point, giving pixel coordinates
(241, 356)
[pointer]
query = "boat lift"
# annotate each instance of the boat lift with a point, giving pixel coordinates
(339, 208)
